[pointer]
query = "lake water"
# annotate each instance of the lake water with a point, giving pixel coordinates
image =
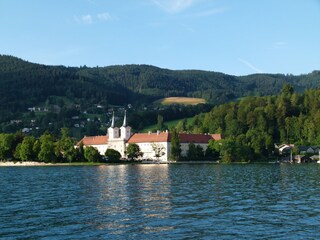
(177, 201)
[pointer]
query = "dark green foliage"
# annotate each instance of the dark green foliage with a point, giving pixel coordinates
(253, 125)
(24, 150)
(133, 151)
(68, 91)
(287, 90)
(182, 125)
(91, 154)
(212, 152)
(6, 146)
(160, 125)
(175, 146)
(36, 148)
(112, 155)
(195, 152)
(233, 151)
(65, 92)
(80, 153)
(47, 150)
(65, 147)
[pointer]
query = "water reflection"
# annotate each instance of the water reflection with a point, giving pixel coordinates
(201, 201)
(131, 195)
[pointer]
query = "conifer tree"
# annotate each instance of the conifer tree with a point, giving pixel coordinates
(175, 146)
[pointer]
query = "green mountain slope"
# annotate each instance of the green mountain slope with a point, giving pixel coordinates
(25, 85)
(252, 126)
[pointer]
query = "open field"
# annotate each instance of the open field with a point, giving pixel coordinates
(181, 100)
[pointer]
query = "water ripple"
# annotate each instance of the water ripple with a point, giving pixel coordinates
(161, 201)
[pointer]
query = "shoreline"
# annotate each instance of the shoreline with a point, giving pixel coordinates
(42, 164)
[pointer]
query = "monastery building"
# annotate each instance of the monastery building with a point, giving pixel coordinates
(119, 138)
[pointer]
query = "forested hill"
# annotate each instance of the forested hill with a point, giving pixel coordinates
(252, 126)
(25, 85)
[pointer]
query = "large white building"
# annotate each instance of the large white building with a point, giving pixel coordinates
(149, 143)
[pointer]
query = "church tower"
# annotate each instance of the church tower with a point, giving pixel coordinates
(125, 130)
(113, 132)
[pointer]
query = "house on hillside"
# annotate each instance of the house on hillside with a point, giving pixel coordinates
(308, 150)
(149, 143)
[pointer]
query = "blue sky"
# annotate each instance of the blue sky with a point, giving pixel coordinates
(236, 37)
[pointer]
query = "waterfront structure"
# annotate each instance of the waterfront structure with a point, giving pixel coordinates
(154, 146)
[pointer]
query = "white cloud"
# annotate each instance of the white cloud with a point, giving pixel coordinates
(174, 6)
(104, 16)
(85, 19)
(89, 19)
(248, 64)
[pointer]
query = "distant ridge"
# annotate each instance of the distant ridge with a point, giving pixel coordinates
(25, 84)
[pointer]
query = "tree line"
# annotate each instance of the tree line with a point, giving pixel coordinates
(252, 126)
(47, 148)
(50, 149)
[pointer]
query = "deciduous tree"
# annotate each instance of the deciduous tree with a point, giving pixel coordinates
(91, 154)
(6, 144)
(158, 150)
(133, 151)
(47, 152)
(112, 155)
(26, 152)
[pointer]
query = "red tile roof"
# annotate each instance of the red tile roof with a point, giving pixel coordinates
(94, 140)
(194, 138)
(216, 136)
(149, 137)
(166, 137)
(154, 137)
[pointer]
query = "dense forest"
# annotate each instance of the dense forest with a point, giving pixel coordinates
(252, 126)
(42, 97)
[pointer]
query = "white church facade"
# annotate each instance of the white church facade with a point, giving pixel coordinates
(119, 138)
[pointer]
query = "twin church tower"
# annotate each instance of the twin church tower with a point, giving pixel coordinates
(115, 139)
(123, 133)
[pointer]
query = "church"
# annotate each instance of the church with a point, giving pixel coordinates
(154, 146)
